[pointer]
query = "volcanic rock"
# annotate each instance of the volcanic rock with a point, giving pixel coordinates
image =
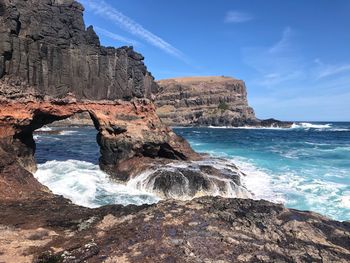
(208, 229)
(46, 45)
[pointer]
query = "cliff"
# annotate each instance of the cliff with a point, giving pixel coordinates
(45, 45)
(207, 101)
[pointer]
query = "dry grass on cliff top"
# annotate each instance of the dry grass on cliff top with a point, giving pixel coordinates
(188, 80)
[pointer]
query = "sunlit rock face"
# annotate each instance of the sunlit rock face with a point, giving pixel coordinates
(126, 129)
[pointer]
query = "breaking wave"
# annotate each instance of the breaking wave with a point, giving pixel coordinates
(44, 129)
(85, 184)
(219, 184)
(307, 125)
(289, 188)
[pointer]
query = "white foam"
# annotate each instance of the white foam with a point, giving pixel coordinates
(145, 181)
(298, 191)
(85, 184)
(345, 200)
(248, 128)
(307, 125)
(67, 132)
(340, 130)
(44, 129)
(258, 182)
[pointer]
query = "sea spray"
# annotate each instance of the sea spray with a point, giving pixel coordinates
(186, 180)
(85, 184)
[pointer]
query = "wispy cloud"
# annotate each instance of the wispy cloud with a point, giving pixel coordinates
(290, 85)
(114, 36)
(284, 43)
(327, 70)
(276, 63)
(237, 17)
(126, 23)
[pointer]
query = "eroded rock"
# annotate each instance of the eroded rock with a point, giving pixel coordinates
(45, 45)
(208, 229)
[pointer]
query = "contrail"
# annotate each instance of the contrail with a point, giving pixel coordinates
(115, 36)
(103, 9)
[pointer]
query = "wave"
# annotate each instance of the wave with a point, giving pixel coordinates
(307, 125)
(85, 184)
(295, 126)
(219, 184)
(300, 191)
(318, 127)
(247, 128)
(67, 132)
(44, 129)
(258, 182)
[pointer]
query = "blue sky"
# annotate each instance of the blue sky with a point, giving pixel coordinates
(293, 55)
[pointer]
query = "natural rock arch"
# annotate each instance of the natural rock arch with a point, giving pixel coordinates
(128, 132)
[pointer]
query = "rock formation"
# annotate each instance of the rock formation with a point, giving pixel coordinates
(52, 68)
(207, 101)
(45, 45)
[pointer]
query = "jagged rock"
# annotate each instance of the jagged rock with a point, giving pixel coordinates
(45, 44)
(208, 229)
(207, 101)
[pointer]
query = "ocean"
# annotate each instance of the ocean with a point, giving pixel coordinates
(306, 167)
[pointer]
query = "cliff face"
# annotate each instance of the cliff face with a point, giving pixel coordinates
(207, 101)
(217, 101)
(44, 44)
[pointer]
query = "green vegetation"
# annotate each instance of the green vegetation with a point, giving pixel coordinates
(223, 106)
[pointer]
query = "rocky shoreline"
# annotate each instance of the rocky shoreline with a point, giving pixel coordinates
(210, 229)
(53, 67)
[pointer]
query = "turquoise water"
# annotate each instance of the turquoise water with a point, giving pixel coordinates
(306, 167)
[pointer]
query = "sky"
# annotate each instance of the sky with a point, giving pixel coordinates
(294, 55)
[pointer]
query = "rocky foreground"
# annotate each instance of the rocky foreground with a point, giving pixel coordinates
(207, 101)
(202, 230)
